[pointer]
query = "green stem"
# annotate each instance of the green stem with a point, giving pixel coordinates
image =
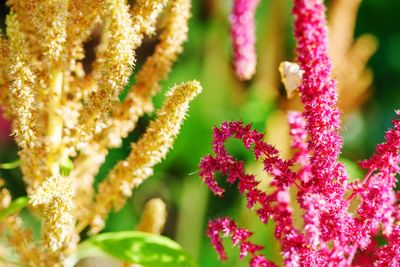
(10, 165)
(14, 207)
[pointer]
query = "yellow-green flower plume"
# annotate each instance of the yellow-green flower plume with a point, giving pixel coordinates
(151, 148)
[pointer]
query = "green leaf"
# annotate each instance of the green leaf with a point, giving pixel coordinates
(14, 207)
(146, 249)
(353, 170)
(10, 165)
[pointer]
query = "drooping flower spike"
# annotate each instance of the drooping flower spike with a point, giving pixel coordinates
(239, 238)
(333, 234)
(138, 166)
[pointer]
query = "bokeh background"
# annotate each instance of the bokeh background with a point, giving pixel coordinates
(260, 101)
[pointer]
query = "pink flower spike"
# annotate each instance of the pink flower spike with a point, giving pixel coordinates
(387, 157)
(333, 233)
(260, 261)
(243, 38)
(389, 255)
(298, 134)
(239, 237)
(318, 90)
(378, 197)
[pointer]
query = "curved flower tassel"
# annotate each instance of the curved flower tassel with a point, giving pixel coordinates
(239, 237)
(243, 38)
(138, 166)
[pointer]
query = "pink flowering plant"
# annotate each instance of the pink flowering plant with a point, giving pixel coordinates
(333, 232)
(243, 37)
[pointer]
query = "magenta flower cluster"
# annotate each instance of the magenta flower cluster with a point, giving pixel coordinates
(243, 37)
(334, 233)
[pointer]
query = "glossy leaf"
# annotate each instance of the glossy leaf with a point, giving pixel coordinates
(146, 249)
(10, 165)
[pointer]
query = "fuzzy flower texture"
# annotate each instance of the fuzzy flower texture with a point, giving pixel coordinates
(243, 38)
(66, 113)
(335, 232)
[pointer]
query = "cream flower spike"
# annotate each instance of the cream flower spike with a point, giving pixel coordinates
(21, 82)
(53, 199)
(90, 159)
(66, 110)
(138, 166)
(154, 217)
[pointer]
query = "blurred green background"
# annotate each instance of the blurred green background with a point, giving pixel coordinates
(207, 58)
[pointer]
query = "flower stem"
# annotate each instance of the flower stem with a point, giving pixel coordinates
(10, 165)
